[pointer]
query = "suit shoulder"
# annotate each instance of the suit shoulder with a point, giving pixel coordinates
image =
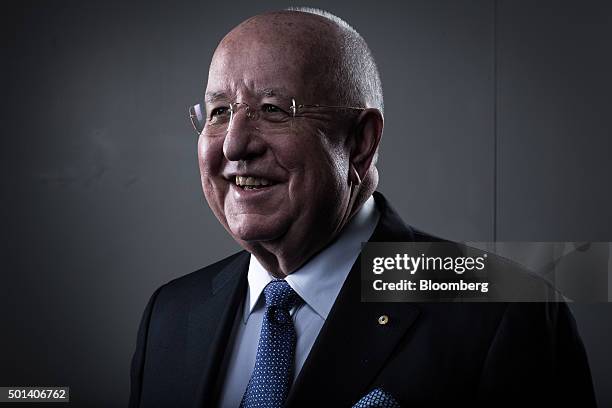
(421, 236)
(205, 277)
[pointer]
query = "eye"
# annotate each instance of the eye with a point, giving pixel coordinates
(220, 111)
(269, 108)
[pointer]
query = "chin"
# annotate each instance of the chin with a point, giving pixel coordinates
(255, 230)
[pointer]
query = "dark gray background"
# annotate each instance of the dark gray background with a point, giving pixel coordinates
(497, 127)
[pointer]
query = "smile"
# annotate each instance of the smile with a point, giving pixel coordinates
(251, 183)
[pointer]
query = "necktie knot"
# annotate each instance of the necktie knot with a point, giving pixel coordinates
(279, 294)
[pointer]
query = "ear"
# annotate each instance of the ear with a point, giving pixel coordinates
(366, 138)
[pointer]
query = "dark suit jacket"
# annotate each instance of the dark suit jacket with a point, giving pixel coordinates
(429, 354)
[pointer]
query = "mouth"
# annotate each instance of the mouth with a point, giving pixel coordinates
(252, 182)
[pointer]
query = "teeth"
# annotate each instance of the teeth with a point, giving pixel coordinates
(244, 181)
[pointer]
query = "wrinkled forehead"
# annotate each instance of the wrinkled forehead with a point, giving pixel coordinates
(272, 55)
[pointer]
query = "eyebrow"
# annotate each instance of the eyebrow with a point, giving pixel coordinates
(214, 96)
(269, 92)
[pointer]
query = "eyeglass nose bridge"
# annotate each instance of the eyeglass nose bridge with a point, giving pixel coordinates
(250, 112)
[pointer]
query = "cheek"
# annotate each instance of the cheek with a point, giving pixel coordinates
(329, 162)
(210, 156)
(210, 161)
(317, 164)
(337, 156)
(310, 150)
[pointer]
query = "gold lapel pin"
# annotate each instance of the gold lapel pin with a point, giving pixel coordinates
(383, 319)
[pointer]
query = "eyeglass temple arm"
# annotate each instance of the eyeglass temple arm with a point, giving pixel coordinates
(295, 107)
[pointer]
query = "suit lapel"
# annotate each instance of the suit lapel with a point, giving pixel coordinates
(353, 346)
(213, 319)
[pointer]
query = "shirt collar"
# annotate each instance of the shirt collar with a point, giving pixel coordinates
(319, 281)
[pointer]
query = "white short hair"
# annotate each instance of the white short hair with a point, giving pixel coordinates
(357, 74)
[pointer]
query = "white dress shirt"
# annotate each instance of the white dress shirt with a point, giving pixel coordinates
(317, 282)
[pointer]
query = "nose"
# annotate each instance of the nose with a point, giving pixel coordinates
(242, 140)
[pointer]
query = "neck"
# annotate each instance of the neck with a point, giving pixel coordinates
(281, 257)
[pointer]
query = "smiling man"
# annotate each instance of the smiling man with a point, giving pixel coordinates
(281, 175)
(289, 131)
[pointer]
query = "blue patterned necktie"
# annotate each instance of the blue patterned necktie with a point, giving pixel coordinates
(273, 372)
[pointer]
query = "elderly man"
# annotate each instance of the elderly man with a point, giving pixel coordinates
(289, 133)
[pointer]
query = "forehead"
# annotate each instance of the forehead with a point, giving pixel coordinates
(268, 58)
(252, 62)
